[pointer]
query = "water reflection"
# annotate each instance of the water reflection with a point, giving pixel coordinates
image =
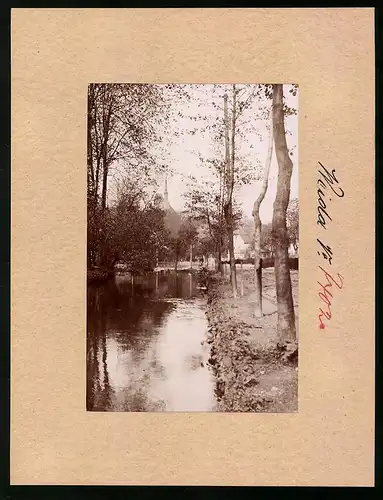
(144, 349)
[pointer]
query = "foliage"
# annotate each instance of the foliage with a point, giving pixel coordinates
(292, 221)
(132, 238)
(130, 129)
(180, 243)
(266, 240)
(204, 205)
(121, 132)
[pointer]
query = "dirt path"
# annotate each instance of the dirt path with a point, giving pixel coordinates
(253, 372)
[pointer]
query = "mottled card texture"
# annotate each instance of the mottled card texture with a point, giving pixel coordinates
(56, 53)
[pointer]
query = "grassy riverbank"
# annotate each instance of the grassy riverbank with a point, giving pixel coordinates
(253, 372)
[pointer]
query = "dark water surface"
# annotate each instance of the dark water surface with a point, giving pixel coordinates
(144, 349)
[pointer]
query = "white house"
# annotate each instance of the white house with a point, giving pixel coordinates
(242, 245)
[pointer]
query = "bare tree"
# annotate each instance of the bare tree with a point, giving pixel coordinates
(286, 316)
(292, 221)
(258, 226)
(228, 207)
(120, 130)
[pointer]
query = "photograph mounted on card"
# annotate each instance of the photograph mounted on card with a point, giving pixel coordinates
(193, 236)
(192, 247)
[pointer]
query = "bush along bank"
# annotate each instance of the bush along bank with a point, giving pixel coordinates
(253, 372)
(98, 275)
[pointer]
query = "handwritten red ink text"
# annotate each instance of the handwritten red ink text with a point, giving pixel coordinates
(326, 295)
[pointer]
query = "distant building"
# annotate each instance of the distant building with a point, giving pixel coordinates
(242, 244)
(173, 220)
(244, 248)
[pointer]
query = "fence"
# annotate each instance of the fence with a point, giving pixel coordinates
(267, 262)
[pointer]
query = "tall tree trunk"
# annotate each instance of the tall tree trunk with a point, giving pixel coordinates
(104, 186)
(219, 259)
(191, 256)
(91, 178)
(233, 269)
(221, 220)
(176, 262)
(105, 171)
(286, 316)
(91, 188)
(258, 227)
(228, 210)
(105, 145)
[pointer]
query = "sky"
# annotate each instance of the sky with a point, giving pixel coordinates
(179, 149)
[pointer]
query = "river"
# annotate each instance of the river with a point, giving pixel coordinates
(146, 348)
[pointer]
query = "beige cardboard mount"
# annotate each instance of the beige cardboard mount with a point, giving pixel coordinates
(55, 54)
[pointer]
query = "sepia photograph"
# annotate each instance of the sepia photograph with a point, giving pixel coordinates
(192, 248)
(166, 289)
